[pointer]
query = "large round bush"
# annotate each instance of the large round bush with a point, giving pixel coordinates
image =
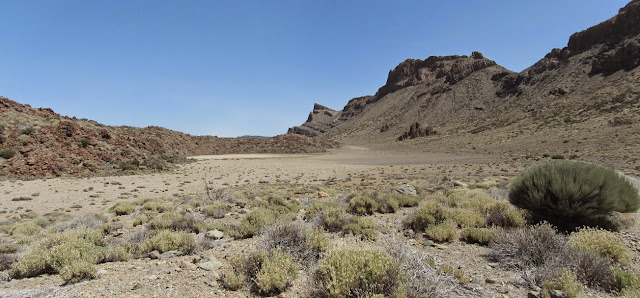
(573, 190)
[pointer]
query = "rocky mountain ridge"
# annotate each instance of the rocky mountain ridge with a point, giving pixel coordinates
(37, 143)
(586, 88)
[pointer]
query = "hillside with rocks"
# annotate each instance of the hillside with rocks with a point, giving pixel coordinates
(41, 143)
(585, 96)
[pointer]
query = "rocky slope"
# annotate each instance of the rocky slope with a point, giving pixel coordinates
(41, 143)
(588, 91)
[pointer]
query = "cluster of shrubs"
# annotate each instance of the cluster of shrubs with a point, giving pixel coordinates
(440, 216)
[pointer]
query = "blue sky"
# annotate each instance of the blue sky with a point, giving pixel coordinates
(231, 68)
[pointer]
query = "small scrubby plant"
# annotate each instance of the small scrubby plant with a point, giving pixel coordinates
(166, 240)
(358, 273)
(567, 282)
(442, 232)
(566, 192)
(600, 242)
(216, 209)
(361, 227)
(251, 223)
(270, 272)
(386, 203)
(7, 153)
(362, 204)
(294, 238)
(480, 236)
(123, 208)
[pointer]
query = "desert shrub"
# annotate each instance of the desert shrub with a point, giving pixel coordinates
(87, 221)
(361, 227)
(277, 273)
(252, 222)
(386, 203)
(294, 238)
(528, 247)
(503, 214)
(405, 200)
(601, 242)
(155, 206)
(333, 219)
(427, 214)
(176, 221)
(78, 271)
(216, 209)
(27, 130)
(442, 232)
(592, 270)
(29, 228)
(155, 163)
(480, 236)
(361, 204)
(269, 272)
(567, 282)
(475, 199)
(626, 280)
(166, 240)
(466, 217)
(7, 153)
(422, 278)
(231, 280)
(84, 142)
(456, 273)
(140, 220)
(567, 192)
(316, 207)
(7, 254)
(280, 205)
(123, 208)
(72, 254)
(358, 273)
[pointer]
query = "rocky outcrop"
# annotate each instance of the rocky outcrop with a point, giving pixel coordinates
(318, 121)
(415, 131)
(415, 71)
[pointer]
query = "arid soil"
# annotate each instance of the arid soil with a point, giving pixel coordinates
(347, 169)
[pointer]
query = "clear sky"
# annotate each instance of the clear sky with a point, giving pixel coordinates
(231, 68)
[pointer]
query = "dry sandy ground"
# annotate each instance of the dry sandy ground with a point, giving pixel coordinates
(350, 165)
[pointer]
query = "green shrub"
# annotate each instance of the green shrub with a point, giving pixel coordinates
(155, 206)
(626, 280)
(566, 192)
(77, 271)
(361, 273)
(316, 207)
(216, 209)
(251, 223)
(280, 205)
(333, 219)
(567, 282)
(123, 208)
(442, 232)
(480, 236)
(165, 240)
(7, 153)
(428, 213)
(600, 242)
(294, 238)
(277, 273)
(270, 272)
(232, 280)
(386, 203)
(474, 199)
(34, 263)
(361, 227)
(466, 217)
(362, 205)
(405, 200)
(84, 142)
(177, 222)
(503, 214)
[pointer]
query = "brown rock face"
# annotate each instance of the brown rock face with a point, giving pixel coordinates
(415, 71)
(319, 120)
(416, 131)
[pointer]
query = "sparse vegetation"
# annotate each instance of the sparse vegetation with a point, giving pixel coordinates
(166, 240)
(7, 153)
(357, 273)
(600, 242)
(123, 208)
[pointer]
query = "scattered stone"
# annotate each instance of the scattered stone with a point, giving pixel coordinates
(22, 199)
(170, 254)
(406, 189)
(214, 234)
(460, 184)
(556, 294)
(210, 265)
(136, 287)
(490, 280)
(502, 290)
(154, 255)
(152, 277)
(196, 259)
(322, 195)
(100, 273)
